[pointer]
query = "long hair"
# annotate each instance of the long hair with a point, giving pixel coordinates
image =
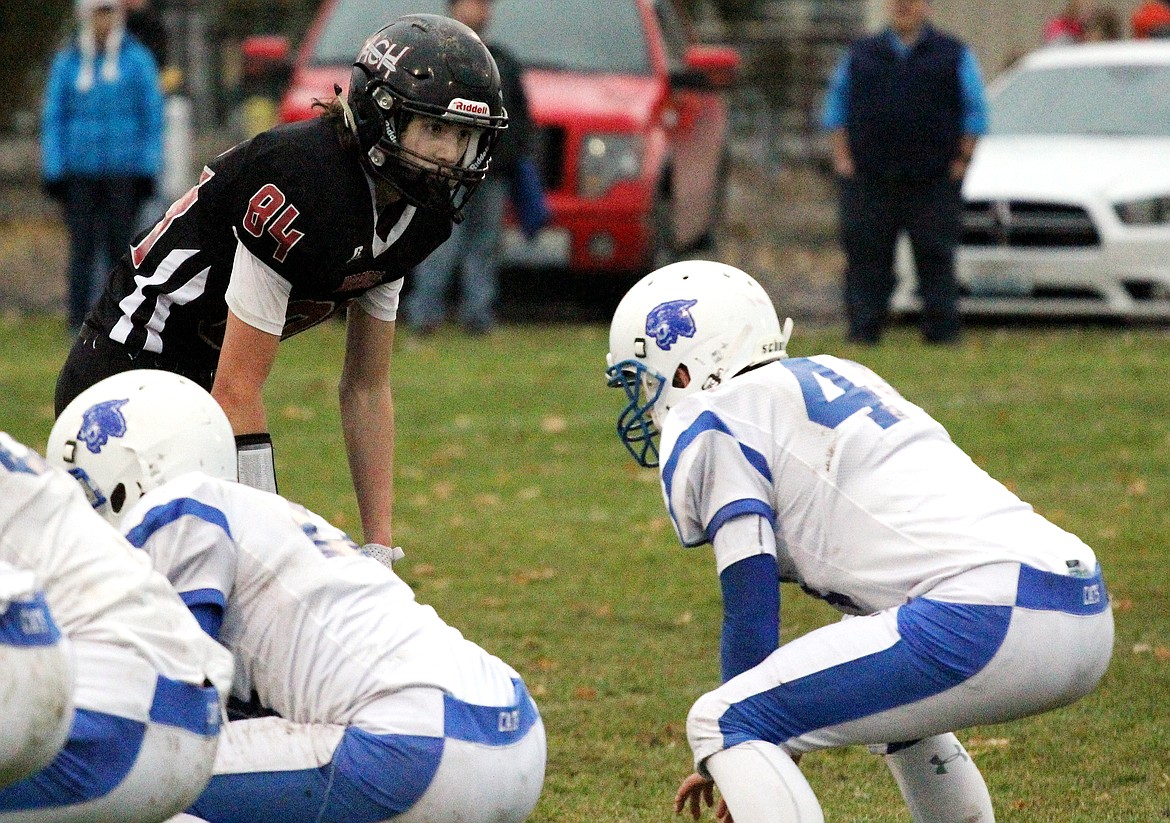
(333, 113)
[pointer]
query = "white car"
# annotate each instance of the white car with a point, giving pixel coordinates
(1067, 199)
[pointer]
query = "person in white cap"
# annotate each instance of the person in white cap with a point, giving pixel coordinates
(101, 143)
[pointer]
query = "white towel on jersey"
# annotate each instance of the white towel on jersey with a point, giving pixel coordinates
(125, 623)
(319, 631)
(871, 502)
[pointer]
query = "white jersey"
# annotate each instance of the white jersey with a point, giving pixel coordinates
(319, 631)
(125, 623)
(870, 500)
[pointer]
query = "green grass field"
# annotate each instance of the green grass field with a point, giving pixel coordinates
(527, 526)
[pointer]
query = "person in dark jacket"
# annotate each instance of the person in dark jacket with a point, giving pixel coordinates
(904, 109)
(101, 143)
(474, 246)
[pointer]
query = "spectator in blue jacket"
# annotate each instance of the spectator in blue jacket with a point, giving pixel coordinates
(904, 109)
(101, 143)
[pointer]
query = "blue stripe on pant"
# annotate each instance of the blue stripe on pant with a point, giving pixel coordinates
(28, 623)
(371, 777)
(941, 645)
(102, 748)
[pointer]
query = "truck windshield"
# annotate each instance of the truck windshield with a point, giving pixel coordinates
(605, 36)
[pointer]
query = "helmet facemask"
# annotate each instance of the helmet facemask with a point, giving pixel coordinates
(637, 425)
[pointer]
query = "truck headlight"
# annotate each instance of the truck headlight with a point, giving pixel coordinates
(606, 159)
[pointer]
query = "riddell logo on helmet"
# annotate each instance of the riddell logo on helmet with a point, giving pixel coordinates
(469, 106)
(382, 54)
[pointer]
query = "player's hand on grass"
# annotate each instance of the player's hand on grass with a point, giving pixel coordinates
(696, 790)
(693, 792)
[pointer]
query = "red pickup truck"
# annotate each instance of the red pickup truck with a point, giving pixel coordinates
(631, 122)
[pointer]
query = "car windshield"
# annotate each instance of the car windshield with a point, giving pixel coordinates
(1128, 100)
(573, 35)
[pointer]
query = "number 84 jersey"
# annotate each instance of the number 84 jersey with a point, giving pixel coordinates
(870, 500)
(291, 210)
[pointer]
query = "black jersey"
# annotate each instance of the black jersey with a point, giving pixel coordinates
(299, 202)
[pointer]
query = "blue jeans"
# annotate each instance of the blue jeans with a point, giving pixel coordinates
(473, 248)
(99, 213)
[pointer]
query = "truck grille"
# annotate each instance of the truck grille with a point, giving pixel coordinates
(1025, 224)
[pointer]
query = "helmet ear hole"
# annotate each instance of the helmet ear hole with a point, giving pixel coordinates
(118, 498)
(682, 377)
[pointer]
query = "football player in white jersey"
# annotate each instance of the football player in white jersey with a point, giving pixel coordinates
(146, 682)
(380, 710)
(970, 608)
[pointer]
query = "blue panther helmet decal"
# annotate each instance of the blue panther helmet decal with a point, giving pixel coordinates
(100, 422)
(669, 321)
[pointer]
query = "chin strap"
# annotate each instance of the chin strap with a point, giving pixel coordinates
(350, 120)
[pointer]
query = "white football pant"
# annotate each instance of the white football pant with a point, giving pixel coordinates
(36, 678)
(1035, 641)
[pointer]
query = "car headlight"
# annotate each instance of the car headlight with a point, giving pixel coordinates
(1148, 211)
(607, 159)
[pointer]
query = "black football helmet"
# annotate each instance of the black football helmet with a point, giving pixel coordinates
(425, 65)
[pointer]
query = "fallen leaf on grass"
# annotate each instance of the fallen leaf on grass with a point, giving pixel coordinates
(1137, 487)
(553, 424)
(527, 576)
(655, 525)
(668, 736)
(452, 451)
(978, 745)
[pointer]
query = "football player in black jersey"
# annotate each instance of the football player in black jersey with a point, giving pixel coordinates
(299, 223)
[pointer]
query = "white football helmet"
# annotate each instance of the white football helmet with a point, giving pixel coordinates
(135, 431)
(684, 328)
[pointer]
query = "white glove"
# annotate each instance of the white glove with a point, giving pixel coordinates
(383, 554)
